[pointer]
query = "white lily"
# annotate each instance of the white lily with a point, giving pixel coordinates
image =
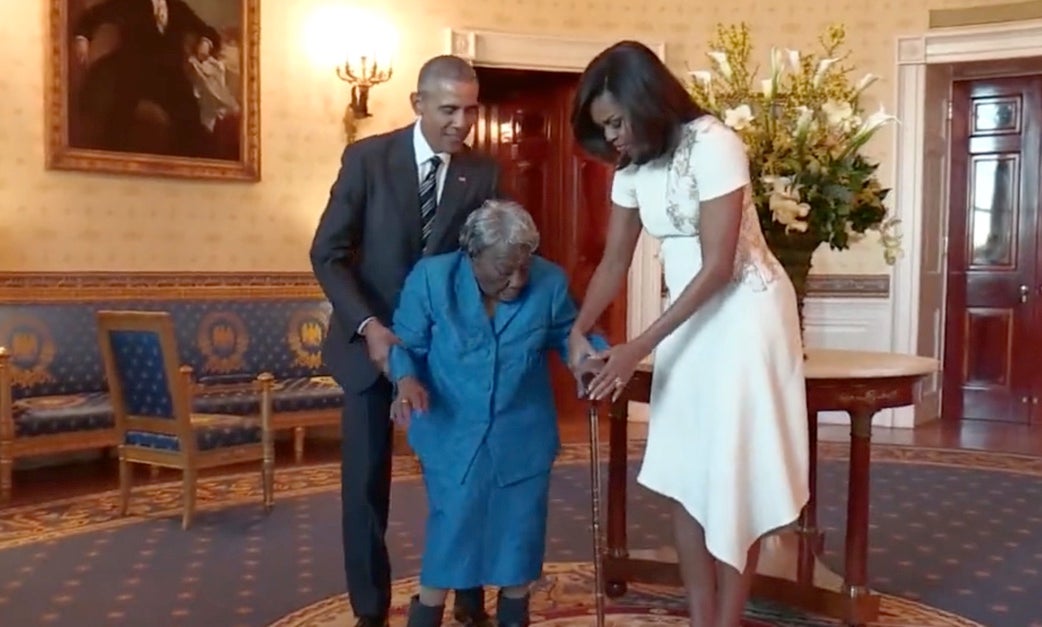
(803, 121)
(722, 64)
(770, 86)
(705, 77)
(702, 76)
(794, 60)
(777, 63)
(876, 120)
(785, 205)
(864, 83)
(739, 117)
(823, 68)
(867, 129)
(767, 87)
(837, 113)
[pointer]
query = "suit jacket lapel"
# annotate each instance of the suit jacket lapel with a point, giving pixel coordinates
(457, 178)
(405, 181)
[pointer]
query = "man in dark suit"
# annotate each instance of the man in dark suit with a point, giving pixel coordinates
(397, 196)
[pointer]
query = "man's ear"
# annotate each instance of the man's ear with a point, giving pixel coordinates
(414, 99)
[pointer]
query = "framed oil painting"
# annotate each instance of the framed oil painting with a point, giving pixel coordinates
(155, 87)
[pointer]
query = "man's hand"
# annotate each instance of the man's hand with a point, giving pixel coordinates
(412, 396)
(378, 341)
(81, 50)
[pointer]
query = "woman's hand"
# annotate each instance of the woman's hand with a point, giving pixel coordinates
(619, 363)
(412, 396)
(579, 350)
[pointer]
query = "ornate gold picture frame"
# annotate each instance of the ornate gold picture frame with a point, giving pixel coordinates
(155, 87)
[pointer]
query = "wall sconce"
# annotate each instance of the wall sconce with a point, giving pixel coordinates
(367, 73)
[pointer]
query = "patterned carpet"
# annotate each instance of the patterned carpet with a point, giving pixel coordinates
(955, 542)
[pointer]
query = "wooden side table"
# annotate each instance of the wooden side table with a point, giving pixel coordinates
(790, 570)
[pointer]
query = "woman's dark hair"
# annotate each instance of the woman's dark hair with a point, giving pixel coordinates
(655, 103)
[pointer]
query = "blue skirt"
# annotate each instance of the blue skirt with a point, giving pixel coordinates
(480, 533)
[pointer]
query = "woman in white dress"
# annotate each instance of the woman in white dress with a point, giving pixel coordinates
(727, 439)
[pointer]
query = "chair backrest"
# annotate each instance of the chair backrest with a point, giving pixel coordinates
(147, 390)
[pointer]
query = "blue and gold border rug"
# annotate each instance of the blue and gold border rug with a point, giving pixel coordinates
(955, 542)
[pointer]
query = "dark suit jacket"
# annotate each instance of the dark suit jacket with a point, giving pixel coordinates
(368, 238)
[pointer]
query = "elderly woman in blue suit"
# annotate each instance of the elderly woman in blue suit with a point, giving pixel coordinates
(474, 385)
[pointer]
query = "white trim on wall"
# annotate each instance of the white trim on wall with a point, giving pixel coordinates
(849, 324)
(913, 55)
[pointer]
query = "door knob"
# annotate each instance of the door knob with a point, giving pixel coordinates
(1024, 293)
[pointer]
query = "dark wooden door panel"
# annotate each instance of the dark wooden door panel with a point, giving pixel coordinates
(991, 331)
(987, 368)
(524, 123)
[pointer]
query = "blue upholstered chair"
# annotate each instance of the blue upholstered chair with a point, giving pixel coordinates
(150, 394)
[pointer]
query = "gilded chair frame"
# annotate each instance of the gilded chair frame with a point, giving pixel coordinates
(188, 458)
(12, 448)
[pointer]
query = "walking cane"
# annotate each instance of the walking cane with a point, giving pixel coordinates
(595, 497)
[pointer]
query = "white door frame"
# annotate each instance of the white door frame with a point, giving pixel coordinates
(913, 55)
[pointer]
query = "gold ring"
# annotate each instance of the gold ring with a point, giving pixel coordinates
(404, 401)
(618, 382)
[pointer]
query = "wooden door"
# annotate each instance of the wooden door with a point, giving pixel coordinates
(993, 298)
(524, 123)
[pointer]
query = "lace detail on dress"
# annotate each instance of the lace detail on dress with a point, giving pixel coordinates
(755, 264)
(681, 186)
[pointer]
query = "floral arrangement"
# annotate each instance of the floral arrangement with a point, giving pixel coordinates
(804, 130)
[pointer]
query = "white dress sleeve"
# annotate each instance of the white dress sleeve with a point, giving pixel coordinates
(718, 162)
(624, 188)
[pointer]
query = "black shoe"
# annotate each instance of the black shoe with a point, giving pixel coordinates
(469, 608)
(469, 618)
(371, 621)
(421, 615)
(512, 612)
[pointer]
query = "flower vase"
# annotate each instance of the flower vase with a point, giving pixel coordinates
(795, 252)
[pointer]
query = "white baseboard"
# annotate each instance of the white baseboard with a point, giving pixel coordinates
(852, 324)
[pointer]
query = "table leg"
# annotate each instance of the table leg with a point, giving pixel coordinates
(618, 446)
(855, 571)
(810, 539)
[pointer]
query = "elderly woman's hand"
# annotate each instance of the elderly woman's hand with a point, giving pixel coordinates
(585, 373)
(412, 396)
(579, 350)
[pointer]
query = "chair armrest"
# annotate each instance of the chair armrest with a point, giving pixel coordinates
(187, 385)
(6, 402)
(265, 384)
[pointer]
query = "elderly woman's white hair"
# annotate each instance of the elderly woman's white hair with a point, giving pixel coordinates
(498, 223)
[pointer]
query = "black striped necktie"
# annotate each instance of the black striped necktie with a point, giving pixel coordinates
(429, 198)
